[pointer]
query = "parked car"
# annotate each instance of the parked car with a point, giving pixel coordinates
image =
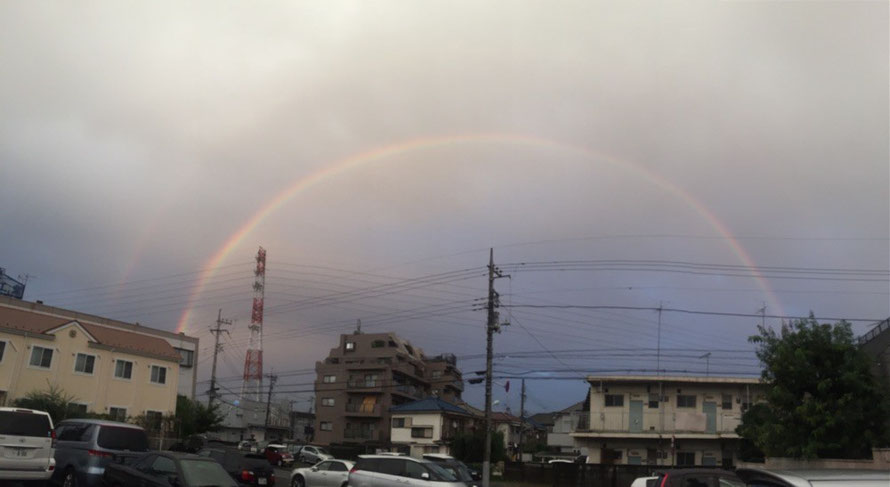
(26, 445)
(165, 469)
(645, 482)
(247, 445)
(85, 446)
(328, 473)
(314, 454)
(390, 471)
(278, 455)
(294, 449)
(699, 477)
(458, 468)
(246, 468)
(821, 478)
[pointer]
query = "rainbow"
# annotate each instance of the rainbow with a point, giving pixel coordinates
(381, 153)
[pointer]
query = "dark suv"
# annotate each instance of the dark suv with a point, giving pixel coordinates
(85, 446)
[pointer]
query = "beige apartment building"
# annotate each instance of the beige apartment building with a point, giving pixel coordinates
(366, 375)
(670, 421)
(107, 369)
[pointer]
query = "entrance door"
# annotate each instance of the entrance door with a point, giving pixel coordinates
(710, 410)
(636, 416)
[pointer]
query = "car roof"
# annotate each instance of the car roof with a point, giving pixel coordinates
(23, 410)
(806, 475)
(438, 455)
(401, 457)
(100, 422)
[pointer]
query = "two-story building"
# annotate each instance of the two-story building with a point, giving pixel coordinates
(566, 422)
(106, 370)
(662, 420)
(427, 426)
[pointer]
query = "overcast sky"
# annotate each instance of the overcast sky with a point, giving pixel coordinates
(137, 138)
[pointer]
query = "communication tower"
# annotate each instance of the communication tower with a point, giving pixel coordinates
(253, 363)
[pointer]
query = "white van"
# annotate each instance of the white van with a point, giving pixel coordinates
(26, 444)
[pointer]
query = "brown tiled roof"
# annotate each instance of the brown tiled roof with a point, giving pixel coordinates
(38, 323)
(504, 417)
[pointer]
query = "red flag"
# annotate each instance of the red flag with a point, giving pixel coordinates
(507, 386)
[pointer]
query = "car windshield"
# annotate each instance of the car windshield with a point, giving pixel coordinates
(441, 474)
(15, 423)
(321, 450)
(202, 473)
(121, 438)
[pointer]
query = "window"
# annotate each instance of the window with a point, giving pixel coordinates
(653, 401)
(84, 363)
(123, 369)
(117, 414)
(337, 467)
(421, 432)
(685, 401)
(436, 374)
(327, 426)
(329, 379)
(41, 357)
(350, 346)
(414, 470)
(727, 401)
(158, 374)
(327, 401)
(614, 400)
(377, 344)
(685, 458)
(186, 357)
(392, 344)
(2, 349)
(401, 422)
(77, 408)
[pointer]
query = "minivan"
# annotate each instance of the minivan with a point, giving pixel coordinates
(85, 446)
(393, 471)
(26, 444)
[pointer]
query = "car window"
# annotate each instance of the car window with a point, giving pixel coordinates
(338, 467)
(16, 423)
(440, 474)
(70, 432)
(369, 464)
(730, 482)
(202, 472)
(390, 466)
(699, 481)
(414, 470)
(143, 463)
(322, 466)
(163, 466)
(119, 438)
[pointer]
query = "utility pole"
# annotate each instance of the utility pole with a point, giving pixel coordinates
(272, 379)
(658, 344)
(216, 349)
(521, 419)
(491, 327)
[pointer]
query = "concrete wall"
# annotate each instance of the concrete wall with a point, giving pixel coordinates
(99, 390)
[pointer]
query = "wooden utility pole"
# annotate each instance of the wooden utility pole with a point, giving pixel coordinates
(521, 420)
(491, 327)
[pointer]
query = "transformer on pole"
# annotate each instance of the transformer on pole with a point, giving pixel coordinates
(253, 362)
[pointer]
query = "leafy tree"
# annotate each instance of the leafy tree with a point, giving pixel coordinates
(822, 400)
(194, 417)
(55, 401)
(468, 447)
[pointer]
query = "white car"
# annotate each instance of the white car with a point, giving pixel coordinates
(26, 445)
(328, 473)
(314, 454)
(644, 482)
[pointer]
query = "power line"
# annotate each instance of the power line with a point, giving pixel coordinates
(688, 311)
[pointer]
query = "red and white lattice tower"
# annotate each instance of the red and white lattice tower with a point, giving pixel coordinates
(253, 362)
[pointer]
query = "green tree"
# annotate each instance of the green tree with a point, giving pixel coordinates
(55, 401)
(468, 447)
(822, 400)
(194, 417)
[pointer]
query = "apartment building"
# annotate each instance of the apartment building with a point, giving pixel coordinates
(366, 375)
(427, 426)
(670, 421)
(106, 369)
(186, 346)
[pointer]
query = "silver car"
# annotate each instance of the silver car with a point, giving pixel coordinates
(329, 473)
(811, 477)
(85, 446)
(314, 454)
(390, 471)
(26, 445)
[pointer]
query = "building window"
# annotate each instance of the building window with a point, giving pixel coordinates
(401, 422)
(123, 369)
(77, 408)
(685, 458)
(41, 357)
(158, 374)
(117, 414)
(350, 346)
(84, 363)
(2, 350)
(436, 374)
(377, 344)
(727, 401)
(329, 379)
(685, 401)
(614, 400)
(186, 357)
(327, 426)
(327, 401)
(421, 432)
(392, 344)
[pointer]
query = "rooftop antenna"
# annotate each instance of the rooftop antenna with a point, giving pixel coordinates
(707, 358)
(358, 326)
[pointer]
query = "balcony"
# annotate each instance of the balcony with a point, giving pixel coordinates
(408, 390)
(363, 410)
(365, 364)
(364, 385)
(692, 422)
(363, 435)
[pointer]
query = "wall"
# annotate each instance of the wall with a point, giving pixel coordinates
(403, 435)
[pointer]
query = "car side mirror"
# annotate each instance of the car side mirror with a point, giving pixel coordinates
(315, 469)
(425, 476)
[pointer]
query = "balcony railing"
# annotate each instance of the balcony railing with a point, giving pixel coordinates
(365, 383)
(366, 435)
(363, 409)
(656, 422)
